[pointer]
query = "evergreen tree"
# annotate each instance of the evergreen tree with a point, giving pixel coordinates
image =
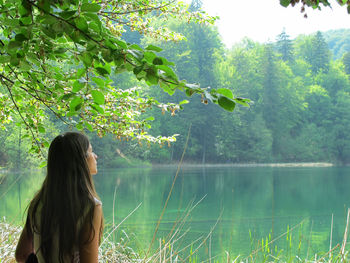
(284, 46)
(320, 54)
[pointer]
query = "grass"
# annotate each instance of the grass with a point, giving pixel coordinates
(172, 248)
(109, 251)
(9, 235)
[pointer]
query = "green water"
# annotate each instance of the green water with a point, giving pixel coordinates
(247, 203)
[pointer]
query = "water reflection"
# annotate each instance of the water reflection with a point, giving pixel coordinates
(255, 202)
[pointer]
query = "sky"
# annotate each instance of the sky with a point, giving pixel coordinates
(263, 20)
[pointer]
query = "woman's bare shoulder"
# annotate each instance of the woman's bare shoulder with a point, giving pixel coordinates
(97, 201)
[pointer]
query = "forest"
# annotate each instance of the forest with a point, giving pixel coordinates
(299, 92)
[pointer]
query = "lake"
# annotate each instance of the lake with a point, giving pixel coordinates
(248, 206)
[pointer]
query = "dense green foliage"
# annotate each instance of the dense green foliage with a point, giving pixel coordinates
(299, 111)
(338, 42)
(300, 100)
(60, 57)
(300, 95)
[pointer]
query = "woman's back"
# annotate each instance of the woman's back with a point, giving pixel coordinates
(65, 220)
(73, 257)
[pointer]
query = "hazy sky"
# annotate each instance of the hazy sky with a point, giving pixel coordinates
(263, 20)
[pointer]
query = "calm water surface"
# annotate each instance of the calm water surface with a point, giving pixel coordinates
(247, 203)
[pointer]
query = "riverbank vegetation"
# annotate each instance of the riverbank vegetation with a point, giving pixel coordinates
(263, 250)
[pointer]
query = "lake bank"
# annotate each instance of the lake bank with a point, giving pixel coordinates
(112, 252)
(299, 164)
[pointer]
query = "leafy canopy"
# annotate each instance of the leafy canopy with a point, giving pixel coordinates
(315, 4)
(58, 56)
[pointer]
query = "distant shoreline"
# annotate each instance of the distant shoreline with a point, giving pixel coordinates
(319, 164)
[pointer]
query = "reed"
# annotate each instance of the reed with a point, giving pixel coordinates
(173, 249)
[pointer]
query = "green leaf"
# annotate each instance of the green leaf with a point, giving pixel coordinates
(226, 103)
(107, 55)
(89, 126)
(122, 44)
(95, 27)
(23, 10)
(284, 3)
(87, 7)
(57, 27)
(183, 102)
(242, 101)
(77, 86)
(43, 164)
(166, 62)
(226, 92)
(71, 113)
(93, 18)
(154, 48)
(75, 104)
(81, 23)
(79, 126)
(97, 108)
(48, 20)
(152, 79)
(60, 50)
(136, 47)
(168, 71)
(14, 44)
(67, 96)
(14, 61)
(11, 22)
(41, 129)
(20, 37)
(189, 92)
(137, 70)
(109, 43)
(86, 58)
(4, 59)
(67, 14)
(49, 32)
(25, 66)
(136, 53)
(149, 56)
(98, 97)
(46, 143)
(80, 72)
(26, 20)
(68, 29)
(45, 5)
(157, 61)
(99, 82)
(102, 71)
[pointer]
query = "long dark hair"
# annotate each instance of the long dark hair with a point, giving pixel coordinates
(66, 197)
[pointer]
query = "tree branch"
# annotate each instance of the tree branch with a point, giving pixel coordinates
(37, 97)
(63, 20)
(23, 119)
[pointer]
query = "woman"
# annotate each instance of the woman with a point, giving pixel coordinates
(65, 220)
